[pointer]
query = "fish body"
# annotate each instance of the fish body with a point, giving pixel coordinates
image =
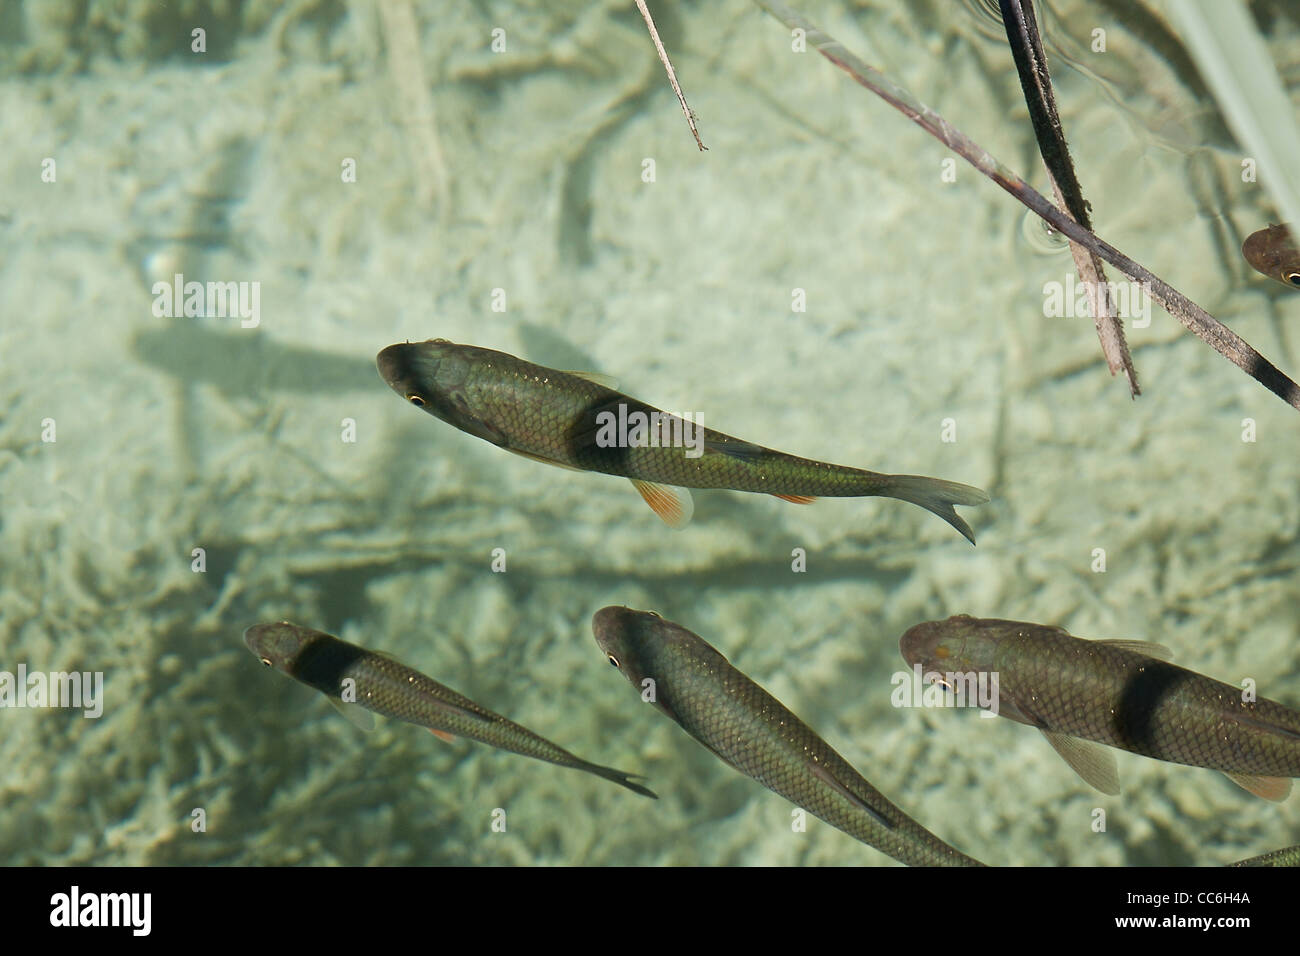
(384, 686)
(1118, 693)
(565, 419)
(753, 732)
(1289, 856)
(1274, 253)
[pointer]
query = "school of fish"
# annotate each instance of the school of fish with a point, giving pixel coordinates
(1084, 696)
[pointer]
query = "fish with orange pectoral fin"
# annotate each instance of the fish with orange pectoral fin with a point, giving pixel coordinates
(1082, 694)
(358, 681)
(581, 422)
(1273, 252)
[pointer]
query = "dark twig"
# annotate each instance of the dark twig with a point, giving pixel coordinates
(1222, 339)
(1036, 82)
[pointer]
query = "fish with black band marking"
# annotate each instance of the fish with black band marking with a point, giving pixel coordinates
(1123, 694)
(378, 683)
(580, 421)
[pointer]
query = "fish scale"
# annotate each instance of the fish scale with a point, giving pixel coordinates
(754, 733)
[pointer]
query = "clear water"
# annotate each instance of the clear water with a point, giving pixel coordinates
(516, 180)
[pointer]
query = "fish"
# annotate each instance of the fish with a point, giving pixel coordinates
(1288, 856)
(382, 685)
(1274, 253)
(1119, 693)
(748, 729)
(580, 421)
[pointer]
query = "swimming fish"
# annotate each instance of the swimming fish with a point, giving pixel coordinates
(1272, 252)
(380, 684)
(1123, 694)
(1289, 856)
(581, 422)
(751, 731)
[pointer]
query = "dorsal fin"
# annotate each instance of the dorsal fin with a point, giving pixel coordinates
(1145, 648)
(597, 378)
(744, 450)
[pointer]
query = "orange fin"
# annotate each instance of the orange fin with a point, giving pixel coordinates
(443, 735)
(673, 505)
(797, 499)
(1276, 789)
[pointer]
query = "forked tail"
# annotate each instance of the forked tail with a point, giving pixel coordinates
(938, 496)
(618, 776)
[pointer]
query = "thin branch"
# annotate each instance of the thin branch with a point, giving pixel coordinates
(672, 76)
(1036, 82)
(1222, 339)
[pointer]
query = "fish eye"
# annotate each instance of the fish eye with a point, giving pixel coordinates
(415, 400)
(613, 660)
(1293, 278)
(266, 661)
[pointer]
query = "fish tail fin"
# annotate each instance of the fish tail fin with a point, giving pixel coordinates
(937, 496)
(622, 779)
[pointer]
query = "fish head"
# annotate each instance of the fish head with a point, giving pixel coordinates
(278, 645)
(1274, 253)
(645, 647)
(432, 375)
(627, 639)
(959, 644)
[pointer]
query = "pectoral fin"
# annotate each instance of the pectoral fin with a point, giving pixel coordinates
(355, 714)
(1093, 762)
(797, 499)
(673, 505)
(481, 430)
(1275, 789)
(443, 735)
(827, 777)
